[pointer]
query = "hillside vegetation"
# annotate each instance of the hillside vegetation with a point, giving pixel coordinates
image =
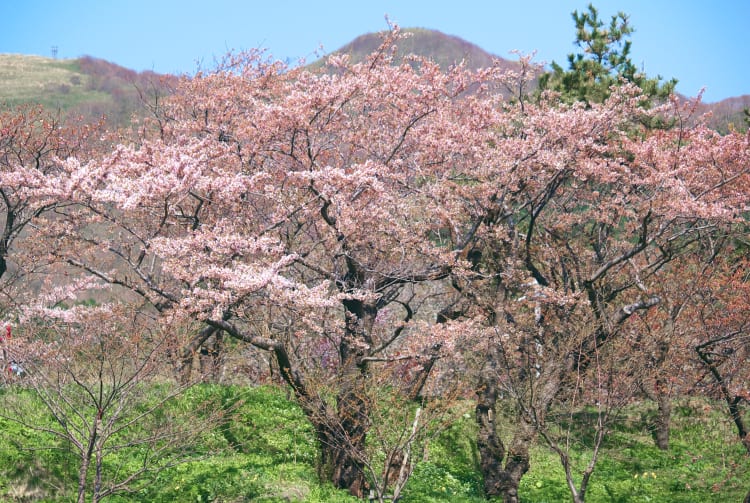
(86, 87)
(446, 50)
(53, 83)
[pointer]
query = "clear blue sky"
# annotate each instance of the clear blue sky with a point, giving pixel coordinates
(701, 43)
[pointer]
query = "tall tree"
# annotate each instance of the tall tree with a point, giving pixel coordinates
(293, 210)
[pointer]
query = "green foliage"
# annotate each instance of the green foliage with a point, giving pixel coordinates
(281, 432)
(604, 62)
(62, 83)
(268, 454)
(32, 464)
(704, 462)
(431, 482)
(451, 470)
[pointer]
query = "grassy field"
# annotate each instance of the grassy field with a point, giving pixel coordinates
(87, 87)
(267, 454)
(56, 84)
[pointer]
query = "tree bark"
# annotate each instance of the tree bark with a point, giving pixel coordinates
(663, 418)
(346, 460)
(86, 456)
(211, 358)
(415, 390)
(187, 353)
(502, 481)
(490, 446)
(342, 434)
(518, 461)
(82, 475)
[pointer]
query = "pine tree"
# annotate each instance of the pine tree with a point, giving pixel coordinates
(604, 62)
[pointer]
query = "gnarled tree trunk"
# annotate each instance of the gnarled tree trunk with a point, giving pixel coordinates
(489, 444)
(345, 452)
(499, 480)
(518, 461)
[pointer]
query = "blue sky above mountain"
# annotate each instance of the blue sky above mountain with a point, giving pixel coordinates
(700, 43)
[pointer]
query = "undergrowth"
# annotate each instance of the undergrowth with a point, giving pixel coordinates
(268, 453)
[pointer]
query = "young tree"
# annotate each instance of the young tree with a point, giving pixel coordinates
(592, 403)
(99, 375)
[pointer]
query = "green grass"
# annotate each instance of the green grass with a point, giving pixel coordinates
(705, 462)
(268, 454)
(87, 87)
(56, 84)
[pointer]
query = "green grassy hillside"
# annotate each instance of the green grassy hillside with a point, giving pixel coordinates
(53, 83)
(86, 86)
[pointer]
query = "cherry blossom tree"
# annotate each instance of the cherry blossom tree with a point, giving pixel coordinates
(574, 214)
(33, 144)
(665, 337)
(295, 211)
(721, 341)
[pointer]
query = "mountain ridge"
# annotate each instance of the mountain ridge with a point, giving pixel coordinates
(444, 49)
(91, 86)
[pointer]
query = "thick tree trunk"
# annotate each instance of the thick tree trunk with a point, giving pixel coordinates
(347, 469)
(662, 423)
(342, 433)
(187, 353)
(517, 463)
(490, 447)
(736, 413)
(342, 436)
(348, 432)
(663, 417)
(500, 481)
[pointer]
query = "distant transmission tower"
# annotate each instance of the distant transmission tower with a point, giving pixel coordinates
(54, 52)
